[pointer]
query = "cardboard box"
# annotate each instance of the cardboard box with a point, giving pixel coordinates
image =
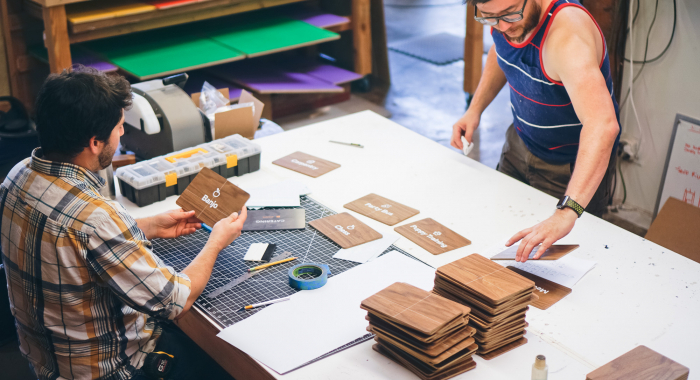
(676, 228)
(242, 121)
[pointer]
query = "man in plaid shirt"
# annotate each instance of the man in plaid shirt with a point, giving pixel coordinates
(90, 298)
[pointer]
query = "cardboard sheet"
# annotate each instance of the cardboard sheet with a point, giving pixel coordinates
(676, 228)
(332, 312)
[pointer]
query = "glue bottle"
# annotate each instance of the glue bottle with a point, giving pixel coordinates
(539, 369)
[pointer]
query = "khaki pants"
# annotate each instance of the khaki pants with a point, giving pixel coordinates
(517, 162)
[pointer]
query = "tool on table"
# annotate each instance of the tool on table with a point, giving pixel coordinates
(344, 143)
(318, 273)
(163, 119)
(466, 146)
(159, 365)
(540, 369)
(206, 227)
(259, 267)
(249, 307)
(217, 292)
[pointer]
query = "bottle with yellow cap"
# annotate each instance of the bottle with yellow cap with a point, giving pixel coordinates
(539, 369)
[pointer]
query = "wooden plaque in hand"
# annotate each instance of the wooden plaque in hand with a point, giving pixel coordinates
(212, 197)
(432, 236)
(381, 209)
(306, 164)
(345, 230)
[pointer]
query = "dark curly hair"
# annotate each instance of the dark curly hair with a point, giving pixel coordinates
(76, 105)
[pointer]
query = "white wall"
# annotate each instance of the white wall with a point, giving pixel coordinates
(666, 87)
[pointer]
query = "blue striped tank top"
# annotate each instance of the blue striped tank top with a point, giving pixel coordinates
(542, 112)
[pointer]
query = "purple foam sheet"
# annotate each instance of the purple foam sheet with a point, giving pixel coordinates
(86, 58)
(266, 78)
(197, 78)
(323, 71)
(317, 18)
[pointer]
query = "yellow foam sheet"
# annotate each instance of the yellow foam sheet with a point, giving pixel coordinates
(90, 11)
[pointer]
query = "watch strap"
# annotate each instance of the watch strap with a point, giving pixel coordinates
(570, 203)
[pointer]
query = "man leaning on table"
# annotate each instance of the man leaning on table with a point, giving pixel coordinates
(90, 298)
(566, 124)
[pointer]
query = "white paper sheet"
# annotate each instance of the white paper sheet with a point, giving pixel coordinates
(281, 194)
(286, 335)
(566, 271)
(369, 251)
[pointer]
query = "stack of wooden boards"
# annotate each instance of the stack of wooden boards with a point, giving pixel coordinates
(426, 333)
(497, 296)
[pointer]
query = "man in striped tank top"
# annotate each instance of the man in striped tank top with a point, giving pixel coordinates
(566, 127)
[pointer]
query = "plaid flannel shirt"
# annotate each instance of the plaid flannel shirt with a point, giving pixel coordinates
(84, 286)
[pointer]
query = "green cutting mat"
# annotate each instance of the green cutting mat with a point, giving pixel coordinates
(162, 52)
(267, 33)
(171, 50)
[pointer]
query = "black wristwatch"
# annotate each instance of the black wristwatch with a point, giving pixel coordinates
(566, 201)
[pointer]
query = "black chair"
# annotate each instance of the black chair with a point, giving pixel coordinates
(18, 135)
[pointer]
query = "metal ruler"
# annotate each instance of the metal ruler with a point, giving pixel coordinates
(231, 284)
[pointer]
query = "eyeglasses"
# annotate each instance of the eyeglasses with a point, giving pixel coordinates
(508, 17)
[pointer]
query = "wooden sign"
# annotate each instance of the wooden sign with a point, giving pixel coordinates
(432, 236)
(381, 209)
(642, 363)
(212, 196)
(306, 164)
(548, 292)
(555, 252)
(345, 230)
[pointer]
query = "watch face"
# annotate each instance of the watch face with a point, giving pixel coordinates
(562, 201)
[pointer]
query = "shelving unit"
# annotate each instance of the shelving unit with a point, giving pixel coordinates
(31, 22)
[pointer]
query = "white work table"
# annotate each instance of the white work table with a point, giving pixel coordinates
(638, 293)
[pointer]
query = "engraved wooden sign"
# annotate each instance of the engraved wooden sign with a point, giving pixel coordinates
(555, 252)
(345, 230)
(432, 236)
(548, 292)
(306, 164)
(212, 197)
(382, 209)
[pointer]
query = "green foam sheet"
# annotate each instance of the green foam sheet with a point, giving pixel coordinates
(258, 35)
(161, 52)
(164, 51)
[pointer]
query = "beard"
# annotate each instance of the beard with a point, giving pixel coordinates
(531, 21)
(105, 157)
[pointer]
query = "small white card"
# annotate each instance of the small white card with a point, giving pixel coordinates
(255, 252)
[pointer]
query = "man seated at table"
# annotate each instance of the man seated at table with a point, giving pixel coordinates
(90, 298)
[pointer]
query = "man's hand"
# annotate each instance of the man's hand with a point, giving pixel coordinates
(170, 224)
(546, 233)
(465, 126)
(227, 229)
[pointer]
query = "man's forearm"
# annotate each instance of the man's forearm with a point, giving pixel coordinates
(199, 272)
(595, 149)
(146, 226)
(491, 82)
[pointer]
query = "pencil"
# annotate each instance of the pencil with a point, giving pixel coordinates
(351, 144)
(263, 303)
(270, 264)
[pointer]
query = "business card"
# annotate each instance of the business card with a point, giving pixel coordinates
(277, 219)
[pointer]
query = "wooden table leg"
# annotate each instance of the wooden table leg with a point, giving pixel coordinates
(57, 42)
(473, 52)
(362, 36)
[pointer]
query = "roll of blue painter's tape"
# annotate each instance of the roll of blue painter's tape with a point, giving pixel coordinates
(319, 272)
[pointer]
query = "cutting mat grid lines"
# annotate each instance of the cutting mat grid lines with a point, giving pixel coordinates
(272, 283)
